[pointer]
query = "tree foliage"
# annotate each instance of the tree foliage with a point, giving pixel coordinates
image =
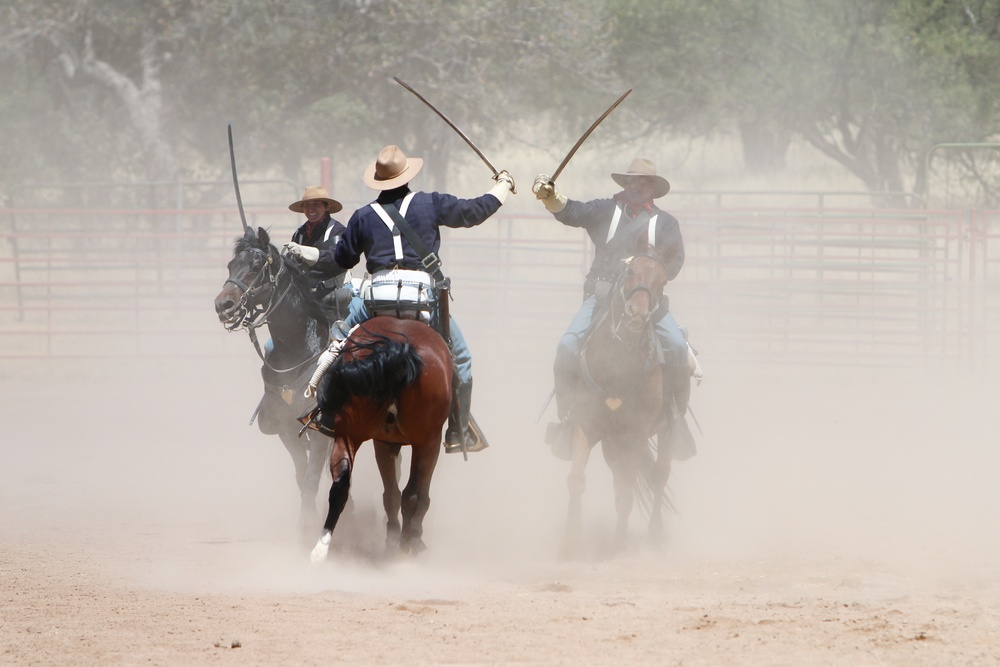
(130, 89)
(871, 85)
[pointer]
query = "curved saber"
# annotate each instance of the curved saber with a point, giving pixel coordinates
(452, 125)
(236, 181)
(586, 134)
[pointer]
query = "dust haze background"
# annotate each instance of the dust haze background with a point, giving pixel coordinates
(123, 458)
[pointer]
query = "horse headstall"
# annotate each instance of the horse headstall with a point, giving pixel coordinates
(253, 309)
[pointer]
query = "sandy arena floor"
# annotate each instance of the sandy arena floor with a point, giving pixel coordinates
(832, 517)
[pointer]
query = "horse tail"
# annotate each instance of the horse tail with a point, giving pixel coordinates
(647, 480)
(381, 375)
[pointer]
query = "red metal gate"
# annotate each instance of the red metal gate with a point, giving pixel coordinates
(846, 285)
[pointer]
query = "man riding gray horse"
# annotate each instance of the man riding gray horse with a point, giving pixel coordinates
(613, 225)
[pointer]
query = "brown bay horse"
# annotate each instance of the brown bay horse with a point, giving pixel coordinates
(391, 383)
(619, 398)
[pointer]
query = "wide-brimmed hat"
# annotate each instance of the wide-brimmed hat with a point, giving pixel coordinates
(316, 193)
(645, 168)
(392, 169)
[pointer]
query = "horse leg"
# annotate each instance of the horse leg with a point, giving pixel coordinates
(416, 496)
(576, 483)
(624, 464)
(308, 488)
(388, 460)
(341, 463)
(661, 473)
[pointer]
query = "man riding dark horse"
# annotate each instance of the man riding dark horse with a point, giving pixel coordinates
(613, 225)
(314, 242)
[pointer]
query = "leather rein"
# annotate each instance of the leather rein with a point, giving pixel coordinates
(620, 298)
(253, 314)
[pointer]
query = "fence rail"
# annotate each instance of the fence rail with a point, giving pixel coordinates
(845, 285)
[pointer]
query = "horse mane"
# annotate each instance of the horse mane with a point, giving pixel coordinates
(260, 241)
(386, 368)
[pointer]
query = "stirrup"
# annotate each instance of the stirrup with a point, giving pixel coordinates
(472, 444)
(474, 440)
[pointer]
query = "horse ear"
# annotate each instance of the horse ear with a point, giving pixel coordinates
(262, 236)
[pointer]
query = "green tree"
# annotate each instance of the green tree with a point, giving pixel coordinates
(871, 85)
(155, 82)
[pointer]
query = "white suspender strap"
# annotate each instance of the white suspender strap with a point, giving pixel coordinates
(651, 233)
(397, 238)
(406, 204)
(329, 230)
(297, 237)
(614, 224)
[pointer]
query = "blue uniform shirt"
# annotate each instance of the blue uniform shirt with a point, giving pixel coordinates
(427, 212)
(595, 216)
(324, 235)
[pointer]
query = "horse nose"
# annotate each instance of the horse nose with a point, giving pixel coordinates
(224, 305)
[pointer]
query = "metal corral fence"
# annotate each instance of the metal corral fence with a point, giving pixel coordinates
(818, 284)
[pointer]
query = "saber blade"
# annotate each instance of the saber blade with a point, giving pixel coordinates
(452, 125)
(586, 134)
(236, 180)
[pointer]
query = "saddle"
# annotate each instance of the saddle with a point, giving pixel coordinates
(283, 396)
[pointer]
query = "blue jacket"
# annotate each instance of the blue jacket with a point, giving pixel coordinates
(595, 216)
(323, 235)
(428, 211)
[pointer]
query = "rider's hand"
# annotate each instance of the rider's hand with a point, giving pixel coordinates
(308, 254)
(545, 189)
(504, 184)
(504, 176)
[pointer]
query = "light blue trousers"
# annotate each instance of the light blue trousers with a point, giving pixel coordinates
(463, 358)
(675, 351)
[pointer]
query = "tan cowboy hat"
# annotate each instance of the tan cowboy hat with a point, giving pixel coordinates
(316, 193)
(645, 168)
(392, 169)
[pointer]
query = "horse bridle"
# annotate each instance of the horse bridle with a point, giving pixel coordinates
(251, 314)
(616, 322)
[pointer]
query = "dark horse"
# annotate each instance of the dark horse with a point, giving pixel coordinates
(264, 288)
(391, 383)
(620, 394)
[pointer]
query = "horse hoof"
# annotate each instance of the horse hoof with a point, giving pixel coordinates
(414, 547)
(321, 550)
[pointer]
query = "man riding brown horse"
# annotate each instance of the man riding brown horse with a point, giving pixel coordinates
(613, 224)
(399, 234)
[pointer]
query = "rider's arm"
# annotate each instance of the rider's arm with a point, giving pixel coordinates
(450, 211)
(347, 254)
(670, 243)
(586, 214)
(327, 263)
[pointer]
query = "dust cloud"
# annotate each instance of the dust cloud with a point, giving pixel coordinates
(151, 468)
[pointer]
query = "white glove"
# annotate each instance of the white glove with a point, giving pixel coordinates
(505, 175)
(308, 254)
(502, 187)
(545, 190)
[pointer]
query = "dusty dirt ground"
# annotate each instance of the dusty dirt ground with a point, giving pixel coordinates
(832, 517)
